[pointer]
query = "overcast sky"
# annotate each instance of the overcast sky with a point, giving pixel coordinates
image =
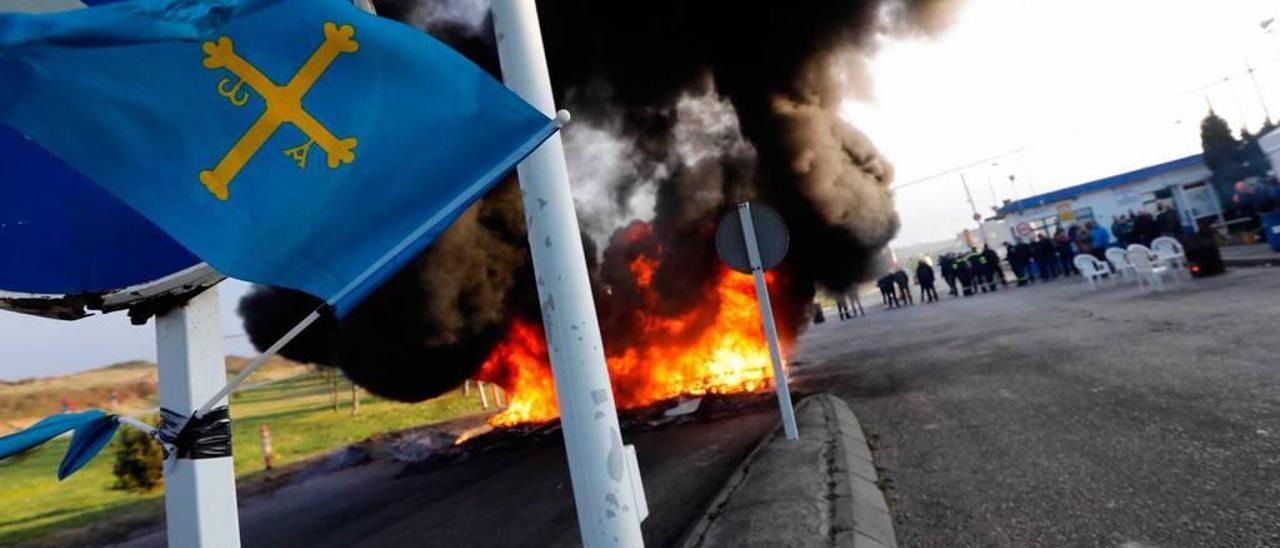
(37, 347)
(1087, 88)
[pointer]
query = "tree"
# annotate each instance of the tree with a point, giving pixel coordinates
(1231, 160)
(1219, 144)
(139, 461)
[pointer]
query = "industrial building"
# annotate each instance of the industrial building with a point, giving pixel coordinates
(1182, 183)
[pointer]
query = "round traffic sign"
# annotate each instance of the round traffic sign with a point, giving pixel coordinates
(771, 237)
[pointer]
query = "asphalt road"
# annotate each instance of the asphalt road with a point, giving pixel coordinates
(513, 497)
(1056, 416)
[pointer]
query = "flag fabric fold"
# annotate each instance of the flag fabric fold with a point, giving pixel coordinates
(86, 442)
(91, 431)
(297, 143)
(64, 235)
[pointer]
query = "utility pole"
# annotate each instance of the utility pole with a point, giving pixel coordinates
(977, 217)
(605, 477)
(1262, 100)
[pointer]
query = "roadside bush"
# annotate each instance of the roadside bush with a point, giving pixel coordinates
(139, 461)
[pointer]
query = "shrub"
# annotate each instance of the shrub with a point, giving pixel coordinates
(139, 461)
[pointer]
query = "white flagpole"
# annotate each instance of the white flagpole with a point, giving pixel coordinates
(606, 489)
(199, 494)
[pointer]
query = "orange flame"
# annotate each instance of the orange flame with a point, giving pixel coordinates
(669, 357)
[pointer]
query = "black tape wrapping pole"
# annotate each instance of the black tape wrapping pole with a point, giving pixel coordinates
(193, 437)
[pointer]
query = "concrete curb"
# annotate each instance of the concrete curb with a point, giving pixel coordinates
(818, 491)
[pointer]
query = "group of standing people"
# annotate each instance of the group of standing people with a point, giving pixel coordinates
(849, 305)
(1043, 258)
(895, 289)
(1143, 227)
(974, 272)
(901, 281)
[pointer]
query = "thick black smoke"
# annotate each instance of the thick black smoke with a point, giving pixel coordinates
(681, 108)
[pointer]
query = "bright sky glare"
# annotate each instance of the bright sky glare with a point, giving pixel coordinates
(1096, 86)
(1091, 88)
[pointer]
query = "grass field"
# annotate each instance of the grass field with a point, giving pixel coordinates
(132, 386)
(303, 425)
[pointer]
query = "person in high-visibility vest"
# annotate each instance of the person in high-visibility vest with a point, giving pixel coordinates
(977, 271)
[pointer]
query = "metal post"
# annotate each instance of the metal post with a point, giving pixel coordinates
(977, 217)
(607, 496)
(333, 389)
(497, 396)
(265, 432)
(199, 495)
(770, 329)
(484, 398)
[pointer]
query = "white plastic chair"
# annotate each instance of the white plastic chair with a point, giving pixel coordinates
(1144, 265)
(1119, 262)
(1092, 269)
(1169, 252)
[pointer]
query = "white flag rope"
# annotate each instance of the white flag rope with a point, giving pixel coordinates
(258, 362)
(168, 432)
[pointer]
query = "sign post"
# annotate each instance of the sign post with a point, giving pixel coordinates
(752, 241)
(606, 488)
(200, 493)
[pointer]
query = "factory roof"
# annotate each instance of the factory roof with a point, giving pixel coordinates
(1101, 184)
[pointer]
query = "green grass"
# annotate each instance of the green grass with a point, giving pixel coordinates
(303, 425)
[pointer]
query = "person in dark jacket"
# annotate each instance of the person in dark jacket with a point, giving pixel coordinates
(855, 303)
(964, 274)
(924, 277)
(1015, 262)
(1122, 229)
(887, 292)
(1025, 253)
(948, 265)
(1065, 254)
(904, 286)
(993, 262)
(1167, 221)
(1144, 228)
(1046, 259)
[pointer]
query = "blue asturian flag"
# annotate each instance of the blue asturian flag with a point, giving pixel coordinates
(297, 143)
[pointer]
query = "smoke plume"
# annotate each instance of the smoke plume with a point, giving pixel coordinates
(681, 109)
